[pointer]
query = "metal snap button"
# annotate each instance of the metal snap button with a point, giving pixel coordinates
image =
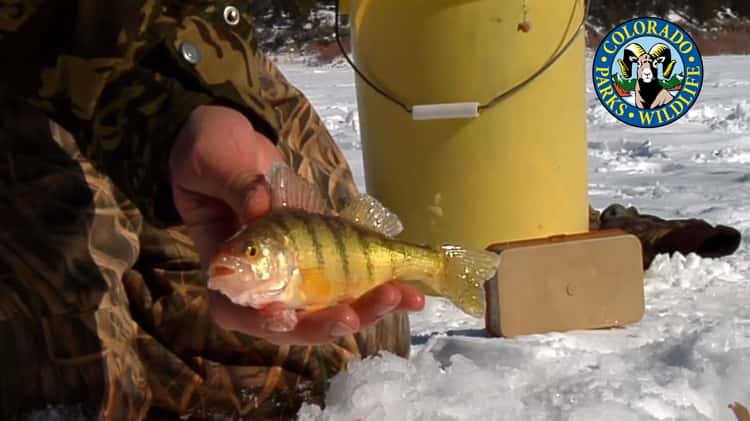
(231, 15)
(190, 52)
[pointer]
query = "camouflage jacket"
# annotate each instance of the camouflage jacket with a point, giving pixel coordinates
(123, 76)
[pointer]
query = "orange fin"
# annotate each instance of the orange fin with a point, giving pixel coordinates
(316, 307)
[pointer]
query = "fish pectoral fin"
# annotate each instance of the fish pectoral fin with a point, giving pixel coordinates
(315, 286)
(290, 191)
(367, 212)
(316, 307)
(279, 318)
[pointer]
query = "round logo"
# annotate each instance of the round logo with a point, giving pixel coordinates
(647, 72)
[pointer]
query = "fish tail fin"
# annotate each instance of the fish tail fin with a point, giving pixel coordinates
(464, 274)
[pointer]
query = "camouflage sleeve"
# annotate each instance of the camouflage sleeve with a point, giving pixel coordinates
(123, 76)
(304, 139)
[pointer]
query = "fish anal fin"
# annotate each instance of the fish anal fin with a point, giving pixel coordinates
(291, 191)
(367, 212)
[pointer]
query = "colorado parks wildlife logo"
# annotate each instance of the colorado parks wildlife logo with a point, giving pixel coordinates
(648, 72)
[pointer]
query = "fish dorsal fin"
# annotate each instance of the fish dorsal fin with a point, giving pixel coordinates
(365, 211)
(290, 191)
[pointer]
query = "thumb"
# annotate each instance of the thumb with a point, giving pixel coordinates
(249, 195)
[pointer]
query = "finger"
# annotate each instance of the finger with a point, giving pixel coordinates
(246, 320)
(326, 325)
(209, 222)
(249, 195)
(313, 328)
(221, 155)
(210, 142)
(412, 299)
(233, 317)
(376, 304)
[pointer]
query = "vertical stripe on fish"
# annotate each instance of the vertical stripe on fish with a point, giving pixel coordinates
(364, 245)
(339, 232)
(334, 253)
(307, 257)
(279, 221)
(383, 257)
(317, 246)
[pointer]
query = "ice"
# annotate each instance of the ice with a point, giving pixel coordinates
(598, 115)
(631, 156)
(688, 359)
(546, 378)
(733, 117)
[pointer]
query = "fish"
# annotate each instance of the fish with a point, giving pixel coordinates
(305, 256)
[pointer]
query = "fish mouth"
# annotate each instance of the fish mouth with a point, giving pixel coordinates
(218, 270)
(234, 279)
(226, 272)
(226, 265)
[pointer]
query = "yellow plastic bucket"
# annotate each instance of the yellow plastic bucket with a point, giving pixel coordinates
(516, 171)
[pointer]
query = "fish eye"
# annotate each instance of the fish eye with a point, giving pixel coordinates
(252, 252)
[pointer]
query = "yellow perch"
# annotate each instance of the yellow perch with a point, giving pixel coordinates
(305, 257)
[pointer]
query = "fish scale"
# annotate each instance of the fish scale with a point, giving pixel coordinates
(304, 256)
(353, 260)
(332, 264)
(343, 250)
(299, 235)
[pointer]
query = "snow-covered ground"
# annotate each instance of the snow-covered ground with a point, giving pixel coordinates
(688, 359)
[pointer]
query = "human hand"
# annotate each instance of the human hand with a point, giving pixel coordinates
(218, 166)
(321, 326)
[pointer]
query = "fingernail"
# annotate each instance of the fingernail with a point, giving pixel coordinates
(341, 329)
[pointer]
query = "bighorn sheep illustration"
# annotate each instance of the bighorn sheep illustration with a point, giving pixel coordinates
(648, 92)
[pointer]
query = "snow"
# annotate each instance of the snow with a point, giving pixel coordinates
(674, 17)
(688, 359)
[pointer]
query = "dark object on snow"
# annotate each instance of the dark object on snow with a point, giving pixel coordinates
(740, 411)
(668, 236)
